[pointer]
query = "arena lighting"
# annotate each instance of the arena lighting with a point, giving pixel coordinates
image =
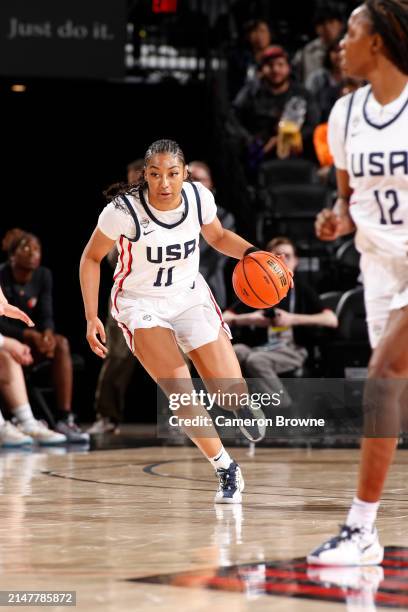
(164, 6)
(18, 88)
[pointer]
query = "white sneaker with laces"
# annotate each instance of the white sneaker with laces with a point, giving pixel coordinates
(40, 432)
(11, 436)
(353, 546)
(231, 485)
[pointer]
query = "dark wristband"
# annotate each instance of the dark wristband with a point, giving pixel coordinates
(251, 250)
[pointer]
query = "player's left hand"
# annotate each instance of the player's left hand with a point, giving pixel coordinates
(7, 310)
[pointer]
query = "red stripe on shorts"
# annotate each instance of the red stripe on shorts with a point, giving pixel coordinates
(217, 308)
(129, 333)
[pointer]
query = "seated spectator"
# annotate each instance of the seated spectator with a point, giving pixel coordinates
(325, 83)
(329, 24)
(260, 105)
(286, 326)
(212, 263)
(243, 61)
(14, 355)
(28, 285)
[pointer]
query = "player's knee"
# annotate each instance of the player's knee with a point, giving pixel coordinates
(385, 368)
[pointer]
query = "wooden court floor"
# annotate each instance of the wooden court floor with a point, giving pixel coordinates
(94, 522)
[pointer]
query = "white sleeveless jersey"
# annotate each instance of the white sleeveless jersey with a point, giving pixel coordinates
(157, 257)
(371, 143)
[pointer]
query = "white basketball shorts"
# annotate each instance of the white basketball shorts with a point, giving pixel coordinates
(385, 289)
(192, 314)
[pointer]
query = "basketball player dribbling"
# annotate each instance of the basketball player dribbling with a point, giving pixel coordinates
(160, 300)
(368, 133)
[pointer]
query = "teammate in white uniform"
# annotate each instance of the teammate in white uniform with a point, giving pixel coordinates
(368, 133)
(159, 299)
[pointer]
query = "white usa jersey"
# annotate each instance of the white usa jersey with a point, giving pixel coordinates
(158, 250)
(370, 141)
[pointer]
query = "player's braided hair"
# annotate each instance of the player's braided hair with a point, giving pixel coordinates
(159, 146)
(389, 18)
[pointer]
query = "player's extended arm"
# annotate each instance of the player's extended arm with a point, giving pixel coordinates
(333, 223)
(89, 273)
(224, 240)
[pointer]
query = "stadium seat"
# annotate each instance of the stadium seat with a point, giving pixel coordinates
(347, 254)
(331, 299)
(277, 171)
(348, 346)
(352, 316)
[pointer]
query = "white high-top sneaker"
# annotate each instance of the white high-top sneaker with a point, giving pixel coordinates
(353, 546)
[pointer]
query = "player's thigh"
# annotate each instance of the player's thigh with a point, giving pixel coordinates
(159, 354)
(390, 357)
(216, 359)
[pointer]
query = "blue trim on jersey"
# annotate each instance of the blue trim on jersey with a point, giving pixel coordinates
(135, 219)
(346, 127)
(153, 218)
(374, 125)
(198, 199)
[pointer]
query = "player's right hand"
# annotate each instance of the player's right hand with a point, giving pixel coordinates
(327, 225)
(95, 328)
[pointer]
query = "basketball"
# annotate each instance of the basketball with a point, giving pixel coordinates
(261, 279)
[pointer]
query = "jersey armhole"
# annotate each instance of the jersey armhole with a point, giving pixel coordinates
(135, 219)
(198, 200)
(346, 127)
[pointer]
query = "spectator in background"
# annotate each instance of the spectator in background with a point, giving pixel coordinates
(28, 285)
(243, 62)
(329, 24)
(119, 365)
(212, 263)
(286, 327)
(260, 105)
(325, 83)
(14, 355)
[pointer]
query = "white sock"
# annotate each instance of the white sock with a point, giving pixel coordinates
(362, 513)
(222, 460)
(24, 414)
(2, 421)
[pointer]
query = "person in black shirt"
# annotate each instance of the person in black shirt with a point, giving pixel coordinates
(285, 327)
(261, 103)
(28, 285)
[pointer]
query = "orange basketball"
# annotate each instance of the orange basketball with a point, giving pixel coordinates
(261, 279)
